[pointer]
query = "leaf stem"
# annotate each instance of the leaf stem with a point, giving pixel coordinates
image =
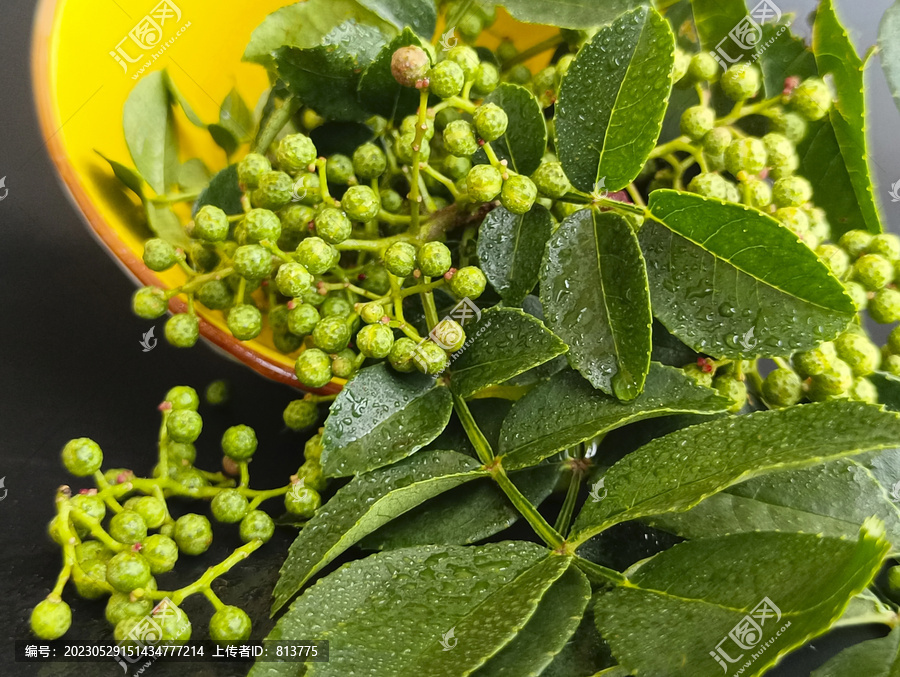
(534, 50)
(275, 124)
(568, 507)
(599, 573)
(421, 122)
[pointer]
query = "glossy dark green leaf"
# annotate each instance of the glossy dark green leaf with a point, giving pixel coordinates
(165, 224)
(363, 505)
(836, 56)
(236, 116)
(832, 499)
(510, 249)
(676, 472)
(381, 416)
(503, 343)
(888, 387)
(525, 140)
(585, 655)
(472, 599)
(150, 132)
(626, 67)
(305, 25)
(874, 658)
(545, 635)
(126, 175)
(224, 191)
(224, 138)
(734, 596)
(595, 297)
(467, 514)
(714, 19)
(532, 305)
(568, 14)
(379, 91)
(420, 15)
(326, 77)
(730, 281)
(785, 55)
(193, 175)
(889, 48)
(667, 349)
(567, 410)
(340, 137)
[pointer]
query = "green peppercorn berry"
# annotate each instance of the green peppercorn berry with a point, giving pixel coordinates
(731, 389)
(336, 305)
(361, 203)
(89, 577)
(306, 189)
(375, 340)
(410, 126)
(371, 312)
(834, 382)
(562, 66)
(545, 84)
(229, 506)
(519, 74)
(331, 334)
(792, 191)
(470, 26)
(210, 224)
(128, 527)
(466, 58)
(261, 224)
(121, 606)
(891, 364)
(88, 550)
(161, 552)
(302, 319)
(818, 222)
(795, 219)
(816, 360)
(446, 79)
(295, 152)
(893, 341)
(741, 82)
(293, 279)
(333, 226)
(518, 194)
(302, 501)
(127, 571)
(369, 162)
(491, 121)
(757, 193)
(256, 525)
(285, 342)
(184, 425)
(312, 450)
(551, 181)
(449, 335)
(698, 374)
(152, 510)
(313, 297)
(487, 78)
(317, 255)
(174, 623)
(82, 457)
(460, 139)
(709, 184)
(434, 258)
(745, 155)
(239, 442)
(484, 183)
(343, 364)
(301, 414)
(717, 140)
(402, 355)
(468, 282)
(885, 244)
(159, 255)
(251, 168)
(51, 618)
(703, 67)
(339, 170)
(697, 122)
(430, 358)
(295, 219)
(858, 352)
(182, 331)
(252, 261)
(812, 99)
(229, 624)
(782, 155)
(278, 317)
(91, 504)
(215, 295)
(313, 368)
(274, 192)
(409, 65)
(884, 307)
(193, 534)
(835, 258)
(405, 148)
(782, 388)
(864, 390)
(149, 303)
(391, 201)
(244, 322)
(873, 271)
(855, 242)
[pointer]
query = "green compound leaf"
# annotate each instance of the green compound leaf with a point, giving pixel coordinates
(193, 175)
(786, 55)
(305, 25)
(676, 472)
(525, 141)
(836, 56)
(379, 91)
(128, 176)
(224, 191)
(546, 634)
(510, 250)
(874, 658)
(165, 224)
(832, 499)
(236, 117)
(714, 19)
(150, 132)
(473, 599)
(567, 410)
(380, 417)
(595, 297)
(504, 342)
(363, 505)
(889, 48)
(326, 78)
(888, 387)
(735, 596)
(420, 15)
(730, 281)
(577, 14)
(470, 513)
(613, 99)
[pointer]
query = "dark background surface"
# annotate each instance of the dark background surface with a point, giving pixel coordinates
(71, 365)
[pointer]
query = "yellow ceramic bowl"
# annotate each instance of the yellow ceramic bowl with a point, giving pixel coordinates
(85, 62)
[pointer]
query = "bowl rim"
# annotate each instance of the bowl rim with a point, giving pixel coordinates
(46, 15)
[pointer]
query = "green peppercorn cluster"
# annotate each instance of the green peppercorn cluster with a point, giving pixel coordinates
(118, 537)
